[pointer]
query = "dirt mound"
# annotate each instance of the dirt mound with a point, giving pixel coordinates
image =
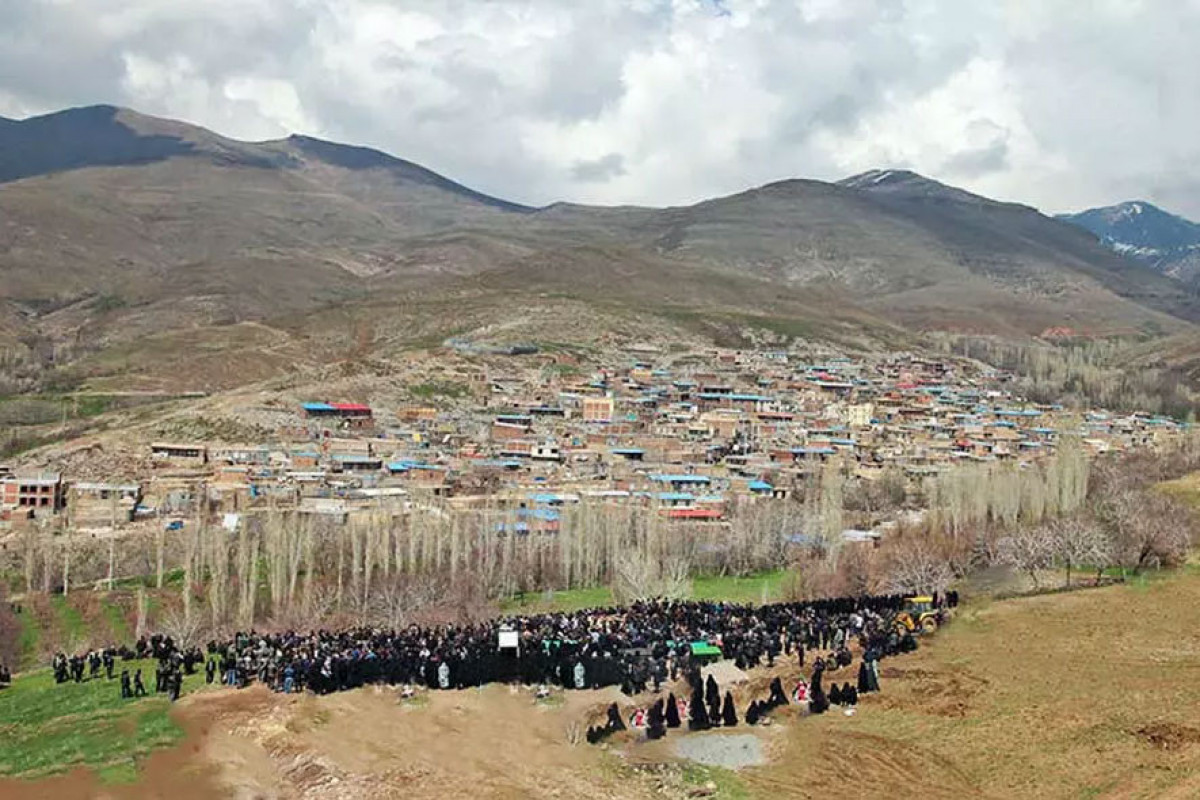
(1168, 735)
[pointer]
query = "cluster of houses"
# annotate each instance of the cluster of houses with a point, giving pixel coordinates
(689, 434)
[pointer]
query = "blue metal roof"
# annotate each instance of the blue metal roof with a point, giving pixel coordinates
(681, 478)
(547, 498)
(316, 407)
(760, 486)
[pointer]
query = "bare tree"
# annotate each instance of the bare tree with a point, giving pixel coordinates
(918, 567)
(1029, 548)
(1079, 541)
(639, 576)
(185, 628)
(10, 631)
(1146, 527)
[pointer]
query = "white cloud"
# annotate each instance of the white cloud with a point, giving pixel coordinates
(1059, 103)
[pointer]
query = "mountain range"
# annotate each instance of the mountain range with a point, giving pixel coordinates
(123, 236)
(1145, 233)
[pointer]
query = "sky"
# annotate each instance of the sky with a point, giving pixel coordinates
(1062, 104)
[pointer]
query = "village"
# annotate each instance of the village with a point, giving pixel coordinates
(688, 435)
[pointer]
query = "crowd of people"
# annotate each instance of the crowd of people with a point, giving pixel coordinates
(637, 648)
(173, 664)
(643, 645)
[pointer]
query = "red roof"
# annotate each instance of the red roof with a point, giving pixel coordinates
(695, 513)
(351, 407)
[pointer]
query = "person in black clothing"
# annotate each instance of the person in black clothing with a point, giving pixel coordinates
(672, 712)
(752, 713)
(655, 727)
(818, 702)
(712, 694)
(60, 668)
(835, 695)
(210, 670)
(777, 698)
(729, 718)
(174, 685)
(126, 690)
(864, 678)
(110, 662)
(615, 723)
(697, 714)
(139, 688)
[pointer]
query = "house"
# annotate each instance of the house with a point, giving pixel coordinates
(348, 415)
(31, 495)
(598, 409)
(356, 463)
(180, 454)
(545, 451)
(511, 426)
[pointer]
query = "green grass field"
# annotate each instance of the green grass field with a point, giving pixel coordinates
(47, 728)
(766, 587)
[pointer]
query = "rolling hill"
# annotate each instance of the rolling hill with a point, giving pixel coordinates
(118, 228)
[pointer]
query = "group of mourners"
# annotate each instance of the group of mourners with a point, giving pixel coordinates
(706, 709)
(173, 664)
(638, 648)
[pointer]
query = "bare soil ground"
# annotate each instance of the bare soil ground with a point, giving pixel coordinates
(1088, 694)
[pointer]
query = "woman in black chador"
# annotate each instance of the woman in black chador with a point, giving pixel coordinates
(729, 714)
(818, 702)
(615, 723)
(713, 697)
(654, 721)
(777, 698)
(672, 713)
(697, 713)
(864, 678)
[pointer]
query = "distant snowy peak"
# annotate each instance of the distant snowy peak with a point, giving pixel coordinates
(908, 185)
(875, 177)
(1144, 232)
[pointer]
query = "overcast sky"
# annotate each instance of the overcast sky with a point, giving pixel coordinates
(1060, 103)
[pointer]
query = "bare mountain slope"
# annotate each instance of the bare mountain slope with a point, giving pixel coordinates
(115, 226)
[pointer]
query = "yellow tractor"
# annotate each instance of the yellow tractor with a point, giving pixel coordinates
(918, 615)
